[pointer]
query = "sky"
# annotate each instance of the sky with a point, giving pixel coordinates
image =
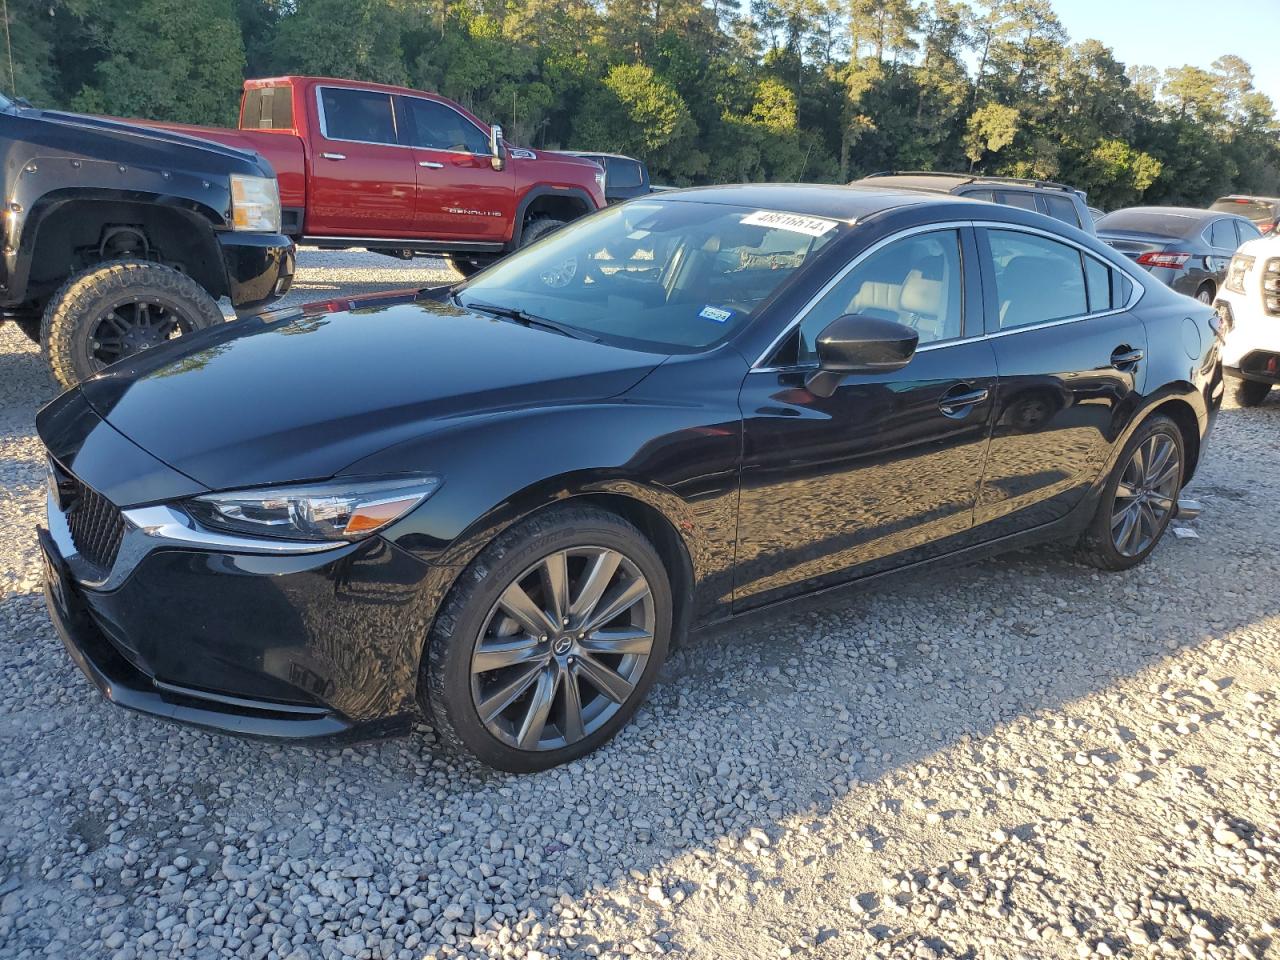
(1170, 33)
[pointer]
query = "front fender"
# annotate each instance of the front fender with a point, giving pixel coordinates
(681, 461)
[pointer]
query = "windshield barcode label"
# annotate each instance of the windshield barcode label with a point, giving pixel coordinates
(813, 226)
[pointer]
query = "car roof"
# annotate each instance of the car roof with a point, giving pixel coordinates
(1247, 196)
(946, 181)
(853, 202)
(1193, 214)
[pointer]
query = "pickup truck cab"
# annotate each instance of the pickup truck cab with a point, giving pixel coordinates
(400, 171)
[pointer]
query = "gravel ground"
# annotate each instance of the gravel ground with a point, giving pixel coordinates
(1037, 761)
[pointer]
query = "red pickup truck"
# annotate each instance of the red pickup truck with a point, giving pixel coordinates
(399, 171)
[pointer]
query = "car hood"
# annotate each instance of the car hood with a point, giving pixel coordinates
(291, 396)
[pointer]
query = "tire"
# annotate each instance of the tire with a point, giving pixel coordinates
(75, 329)
(30, 328)
(1250, 393)
(1205, 294)
(467, 266)
(1103, 545)
(539, 228)
(472, 623)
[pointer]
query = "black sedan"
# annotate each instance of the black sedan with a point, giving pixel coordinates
(1186, 248)
(498, 504)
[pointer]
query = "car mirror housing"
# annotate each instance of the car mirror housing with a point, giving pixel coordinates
(497, 152)
(857, 343)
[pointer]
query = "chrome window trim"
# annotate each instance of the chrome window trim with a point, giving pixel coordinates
(324, 125)
(1135, 295)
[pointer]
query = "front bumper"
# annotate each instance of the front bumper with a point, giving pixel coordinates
(1251, 348)
(302, 646)
(259, 268)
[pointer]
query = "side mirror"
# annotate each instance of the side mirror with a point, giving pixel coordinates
(855, 343)
(497, 152)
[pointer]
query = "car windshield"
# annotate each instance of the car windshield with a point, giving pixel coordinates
(1256, 210)
(672, 276)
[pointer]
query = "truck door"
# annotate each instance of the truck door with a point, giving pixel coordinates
(362, 175)
(459, 195)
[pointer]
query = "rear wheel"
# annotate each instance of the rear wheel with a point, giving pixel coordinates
(1250, 393)
(1139, 500)
(539, 228)
(1205, 294)
(549, 641)
(467, 265)
(114, 310)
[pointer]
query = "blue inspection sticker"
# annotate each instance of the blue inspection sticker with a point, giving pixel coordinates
(715, 313)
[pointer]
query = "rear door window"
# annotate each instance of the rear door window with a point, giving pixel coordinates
(1060, 208)
(1017, 198)
(1222, 235)
(1037, 279)
(365, 116)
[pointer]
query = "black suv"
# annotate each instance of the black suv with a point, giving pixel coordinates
(120, 237)
(1056, 200)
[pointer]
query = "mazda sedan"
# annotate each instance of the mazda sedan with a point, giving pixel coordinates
(496, 505)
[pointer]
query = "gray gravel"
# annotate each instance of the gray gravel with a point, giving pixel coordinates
(1023, 758)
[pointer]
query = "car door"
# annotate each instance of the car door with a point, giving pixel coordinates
(460, 196)
(886, 469)
(362, 179)
(1070, 358)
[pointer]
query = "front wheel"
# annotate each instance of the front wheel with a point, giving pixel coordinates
(1139, 500)
(1250, 393)
(117, 309)
(549, 641)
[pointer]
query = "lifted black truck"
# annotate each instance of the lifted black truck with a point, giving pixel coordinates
(119, 237)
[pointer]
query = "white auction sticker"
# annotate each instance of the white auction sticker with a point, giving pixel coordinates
(796, 223)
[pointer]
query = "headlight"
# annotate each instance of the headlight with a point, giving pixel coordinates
(1240, 265)
(348, 510)
(255, 203)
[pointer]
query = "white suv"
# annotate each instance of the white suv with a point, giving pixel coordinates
(1249, 303)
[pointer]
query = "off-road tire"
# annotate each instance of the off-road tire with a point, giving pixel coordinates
(68, 317)
(1250, 393)
(538, 228)
(444, 688)
(467, 266)
(1096, 547)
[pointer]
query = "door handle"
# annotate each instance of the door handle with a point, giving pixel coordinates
(334, 156)
(1125, 357)
(431, 164)
(958, 404)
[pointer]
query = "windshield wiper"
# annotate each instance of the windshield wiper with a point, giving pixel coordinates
(525, 318)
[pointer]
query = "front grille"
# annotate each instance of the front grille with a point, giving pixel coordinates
(96, 524)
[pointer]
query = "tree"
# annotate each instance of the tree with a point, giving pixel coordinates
(990, 129)
(358, 39)
(167, 59)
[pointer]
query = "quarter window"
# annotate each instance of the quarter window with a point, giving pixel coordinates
(1037, 279)
(440, 127)
(916, 281)
(1097, 277)
(623, 173)
(362, 115)
(1247, 231)
(1060, 208)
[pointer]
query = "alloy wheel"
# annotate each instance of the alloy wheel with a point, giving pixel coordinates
(132, 326)
(563, 648)
(1146, 495)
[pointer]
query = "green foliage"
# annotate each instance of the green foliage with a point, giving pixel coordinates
(166, 59)
(703, 90)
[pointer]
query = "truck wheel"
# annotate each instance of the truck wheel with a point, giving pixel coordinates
(113, 310)
(1250, 393)
(539, 228)
(467, 265)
